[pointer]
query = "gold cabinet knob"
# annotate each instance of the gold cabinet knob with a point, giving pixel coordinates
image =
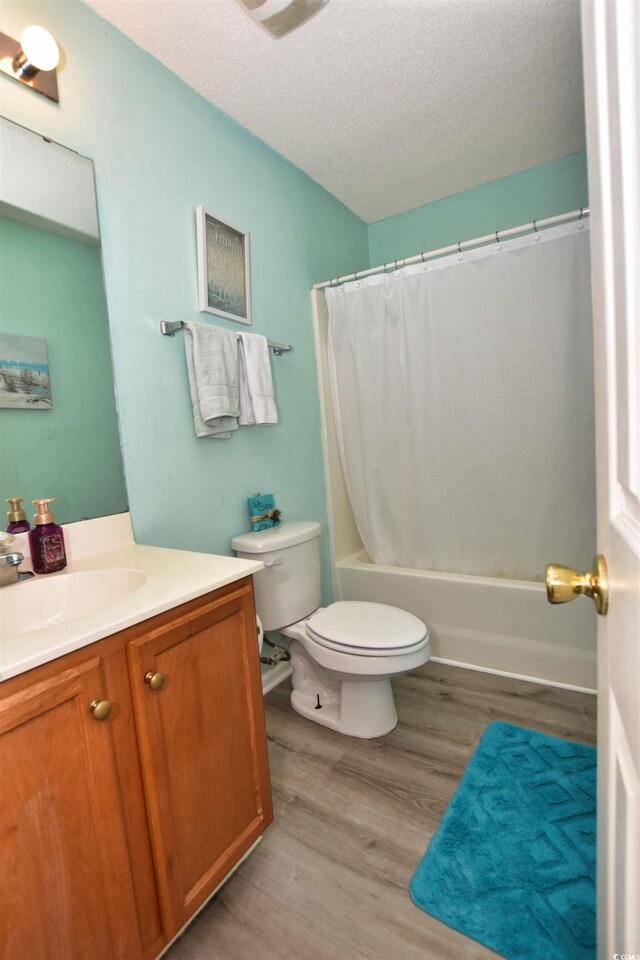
(565, 584)
(155, 680)
(100, 709)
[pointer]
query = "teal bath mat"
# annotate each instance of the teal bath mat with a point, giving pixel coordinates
(513, 862)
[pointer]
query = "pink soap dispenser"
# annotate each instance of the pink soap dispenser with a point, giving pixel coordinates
(46, 540)
(16, 516)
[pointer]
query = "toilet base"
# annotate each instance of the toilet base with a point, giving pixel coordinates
(357, 708)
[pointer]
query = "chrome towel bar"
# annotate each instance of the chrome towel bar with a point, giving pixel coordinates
(169, 329)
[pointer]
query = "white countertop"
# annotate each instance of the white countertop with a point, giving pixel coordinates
(172, 577)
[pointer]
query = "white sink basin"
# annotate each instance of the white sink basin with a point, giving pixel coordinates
(37, 604)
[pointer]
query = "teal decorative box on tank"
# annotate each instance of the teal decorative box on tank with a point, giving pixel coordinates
(263, 512)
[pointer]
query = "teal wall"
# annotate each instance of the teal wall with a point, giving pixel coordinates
(159, 151)
(51, 287)
(543, 191)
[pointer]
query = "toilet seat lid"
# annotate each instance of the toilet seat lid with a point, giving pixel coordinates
(362, 626)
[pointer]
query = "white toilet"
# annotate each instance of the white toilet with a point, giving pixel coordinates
(342, 655)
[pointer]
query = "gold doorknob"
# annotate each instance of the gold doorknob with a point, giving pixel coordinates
(155, 680)
(100, 709)
(564, 584)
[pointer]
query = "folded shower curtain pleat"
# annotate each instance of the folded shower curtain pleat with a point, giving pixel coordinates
(212, 367)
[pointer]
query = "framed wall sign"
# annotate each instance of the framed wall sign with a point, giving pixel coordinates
(223, 268)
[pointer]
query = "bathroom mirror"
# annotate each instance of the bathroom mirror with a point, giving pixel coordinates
(59, 432)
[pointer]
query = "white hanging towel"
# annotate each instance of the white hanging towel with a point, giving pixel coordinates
(212, 365)
(257, 404)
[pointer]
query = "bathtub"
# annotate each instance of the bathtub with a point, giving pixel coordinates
(484, 623)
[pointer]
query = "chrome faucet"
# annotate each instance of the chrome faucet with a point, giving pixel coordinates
(9, 573)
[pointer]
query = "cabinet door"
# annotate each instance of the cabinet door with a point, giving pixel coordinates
(202, 745)
(65, 886)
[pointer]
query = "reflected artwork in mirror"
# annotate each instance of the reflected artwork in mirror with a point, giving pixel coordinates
(53, 290)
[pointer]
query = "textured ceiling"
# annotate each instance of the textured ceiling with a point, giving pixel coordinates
(389, 104)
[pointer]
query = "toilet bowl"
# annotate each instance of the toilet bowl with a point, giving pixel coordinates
(341, 675)
(343, 655)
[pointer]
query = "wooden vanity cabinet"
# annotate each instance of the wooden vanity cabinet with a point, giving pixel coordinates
(65, 883)
(114, 831)
(202, 746)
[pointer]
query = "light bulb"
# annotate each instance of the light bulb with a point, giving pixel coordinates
(39, 48)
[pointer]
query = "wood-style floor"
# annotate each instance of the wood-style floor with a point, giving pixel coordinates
(354, 817)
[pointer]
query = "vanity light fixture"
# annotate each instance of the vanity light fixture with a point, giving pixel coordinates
(32, 61)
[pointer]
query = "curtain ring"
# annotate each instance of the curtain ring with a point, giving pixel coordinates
(581, 212)
(459, 250)
(422, 257)
(497, 238)
(534, 226)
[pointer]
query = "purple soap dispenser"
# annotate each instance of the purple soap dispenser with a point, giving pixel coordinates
(46, 540)
(16, 516)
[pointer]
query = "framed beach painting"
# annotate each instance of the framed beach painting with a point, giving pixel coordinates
(24, 373)
(223, 268)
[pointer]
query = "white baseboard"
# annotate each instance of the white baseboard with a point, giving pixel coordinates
(515, 676)
(276, 675)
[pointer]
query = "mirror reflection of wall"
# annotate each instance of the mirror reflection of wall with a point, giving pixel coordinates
(51, 289)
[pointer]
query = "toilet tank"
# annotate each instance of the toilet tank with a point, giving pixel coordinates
(288, 588)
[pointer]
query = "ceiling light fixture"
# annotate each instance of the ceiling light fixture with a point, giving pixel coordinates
(280, 17)
(33, 61)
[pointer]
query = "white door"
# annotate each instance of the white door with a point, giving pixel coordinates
(611, 51)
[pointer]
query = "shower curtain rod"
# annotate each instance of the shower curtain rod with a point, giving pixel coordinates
(497, 236)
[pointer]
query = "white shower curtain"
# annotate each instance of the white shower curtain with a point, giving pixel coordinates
(463, 399)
